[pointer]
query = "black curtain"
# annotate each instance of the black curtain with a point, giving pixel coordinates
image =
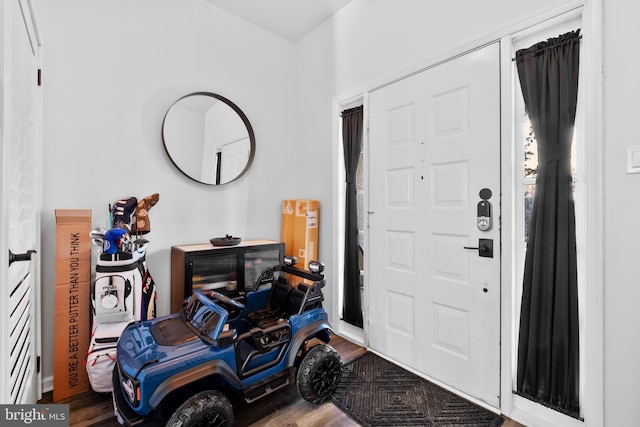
(352, 140)
(548, 353)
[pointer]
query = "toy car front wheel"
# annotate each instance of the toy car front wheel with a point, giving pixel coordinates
(209, 408)
(319, 374)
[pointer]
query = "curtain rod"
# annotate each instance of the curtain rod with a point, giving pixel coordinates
(352, 110)
(544, 48)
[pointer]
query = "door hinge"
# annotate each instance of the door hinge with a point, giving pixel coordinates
(38, 364)
(39, 77)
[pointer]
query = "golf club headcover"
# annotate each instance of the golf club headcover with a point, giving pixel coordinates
(141, 223)
(123, 210)
(112, 240)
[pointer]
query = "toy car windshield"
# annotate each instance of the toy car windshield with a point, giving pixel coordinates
(203, 316)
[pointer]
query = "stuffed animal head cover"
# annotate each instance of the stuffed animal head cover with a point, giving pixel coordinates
(140, 223)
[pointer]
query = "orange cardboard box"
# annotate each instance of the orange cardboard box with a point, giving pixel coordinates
(300, 229)
(72, 302)
(70, 348)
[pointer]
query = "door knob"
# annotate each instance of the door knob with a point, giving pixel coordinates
(485, 248)
(20, 257)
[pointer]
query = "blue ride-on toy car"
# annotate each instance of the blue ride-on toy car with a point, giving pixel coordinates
(186, 366)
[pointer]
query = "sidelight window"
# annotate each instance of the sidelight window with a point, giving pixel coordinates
(526, 172)
(528, 169)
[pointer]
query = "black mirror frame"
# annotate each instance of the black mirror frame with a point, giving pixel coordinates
(245, 120)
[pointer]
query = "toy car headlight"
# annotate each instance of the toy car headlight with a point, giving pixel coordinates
(316, 267)
(131, 389)
(289, 260)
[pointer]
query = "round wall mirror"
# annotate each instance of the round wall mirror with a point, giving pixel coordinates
(208, 138)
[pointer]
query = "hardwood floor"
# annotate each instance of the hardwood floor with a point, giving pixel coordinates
(281, 409)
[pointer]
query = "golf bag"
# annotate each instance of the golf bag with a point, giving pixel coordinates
(101, 357)
(123, 289)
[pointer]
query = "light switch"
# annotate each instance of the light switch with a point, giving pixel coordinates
(633, 159)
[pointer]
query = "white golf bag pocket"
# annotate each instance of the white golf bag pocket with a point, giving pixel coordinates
(113, 298)
(101, 357)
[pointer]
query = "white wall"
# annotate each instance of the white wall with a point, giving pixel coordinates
(622, 213)
(111, 70)
(189, 132)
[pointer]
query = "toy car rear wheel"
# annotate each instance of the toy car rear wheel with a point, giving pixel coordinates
(319, 374)
(209, 408)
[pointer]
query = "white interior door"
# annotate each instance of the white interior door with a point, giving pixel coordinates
(19, 203)
(434, 144)
(235, 156)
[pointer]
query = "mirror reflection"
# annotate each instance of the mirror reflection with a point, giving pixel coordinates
(208, 138)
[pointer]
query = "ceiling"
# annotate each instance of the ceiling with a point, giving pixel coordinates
(291, 19)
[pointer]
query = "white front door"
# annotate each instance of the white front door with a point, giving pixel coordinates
(19, 204)
(434, 144)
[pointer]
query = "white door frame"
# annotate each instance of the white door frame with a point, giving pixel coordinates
(10, 8)
(591, 70)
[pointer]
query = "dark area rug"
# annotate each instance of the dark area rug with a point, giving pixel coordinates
(375, 392)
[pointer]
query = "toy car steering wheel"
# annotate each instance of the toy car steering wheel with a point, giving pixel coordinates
(226, 300)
